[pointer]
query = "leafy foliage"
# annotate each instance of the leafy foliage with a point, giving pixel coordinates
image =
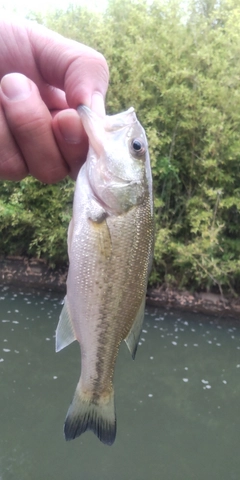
(34, 219)
(178, 64)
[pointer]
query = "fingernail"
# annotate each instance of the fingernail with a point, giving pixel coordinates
(70, 127)
(98, 104)
(16, 86)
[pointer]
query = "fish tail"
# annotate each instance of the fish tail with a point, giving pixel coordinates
(90, 413)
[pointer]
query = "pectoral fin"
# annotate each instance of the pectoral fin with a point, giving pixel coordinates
(135, 332)
(100, 231)
(65, 333)
(95, 211)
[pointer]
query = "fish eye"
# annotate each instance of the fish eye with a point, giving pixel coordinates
(138, 147)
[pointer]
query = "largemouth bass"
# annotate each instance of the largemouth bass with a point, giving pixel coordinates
(110, 246)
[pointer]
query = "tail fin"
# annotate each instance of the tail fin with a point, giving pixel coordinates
(93, 414)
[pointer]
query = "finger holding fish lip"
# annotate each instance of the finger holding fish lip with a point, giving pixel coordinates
(71, 138)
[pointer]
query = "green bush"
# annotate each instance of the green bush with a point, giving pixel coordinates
(34, 219)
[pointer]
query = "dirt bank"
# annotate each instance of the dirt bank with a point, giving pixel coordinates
(35, 273)
(204, 302)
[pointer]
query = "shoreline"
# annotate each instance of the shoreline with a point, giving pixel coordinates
(35, 273)
(197, 302)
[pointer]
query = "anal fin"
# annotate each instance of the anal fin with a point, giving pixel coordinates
(65, 333)
(133, 336)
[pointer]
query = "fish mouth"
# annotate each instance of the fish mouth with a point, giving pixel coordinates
(112, 181)
(120, 120)
(110, 122)
(96, 127)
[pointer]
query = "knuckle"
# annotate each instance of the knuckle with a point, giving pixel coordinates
(32, 123)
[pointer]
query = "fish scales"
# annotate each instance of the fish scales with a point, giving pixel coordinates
(113, 286)
(109, 255)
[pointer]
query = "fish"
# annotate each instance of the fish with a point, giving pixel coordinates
(110, 249)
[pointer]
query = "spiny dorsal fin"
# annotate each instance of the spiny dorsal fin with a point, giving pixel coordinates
(135, 332)
(65, 333)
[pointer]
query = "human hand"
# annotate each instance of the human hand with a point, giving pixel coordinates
(44, 77)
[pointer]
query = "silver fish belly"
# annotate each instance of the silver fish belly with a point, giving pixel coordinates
(110, 247)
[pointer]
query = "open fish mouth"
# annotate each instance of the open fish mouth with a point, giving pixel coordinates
(96, 127)
(120, 121)
(113, 122)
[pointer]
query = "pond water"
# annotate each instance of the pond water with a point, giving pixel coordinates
(178, 403)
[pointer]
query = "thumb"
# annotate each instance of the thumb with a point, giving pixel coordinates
(80, 71)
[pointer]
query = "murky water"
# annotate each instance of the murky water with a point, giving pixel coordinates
(178, 403)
